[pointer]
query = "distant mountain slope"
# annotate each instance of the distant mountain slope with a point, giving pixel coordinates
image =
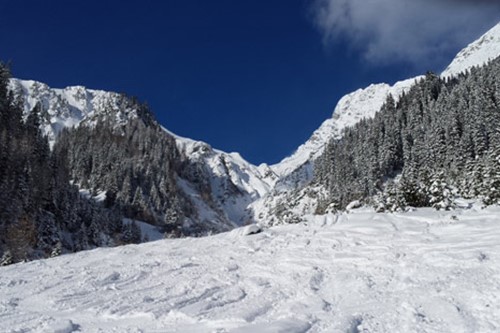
(487, 47)
(62, 108)
(363, 103)
(219, 185)
(290, 197)
(225, 189)
(233, 182)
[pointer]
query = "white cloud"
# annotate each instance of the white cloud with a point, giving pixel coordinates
(414, 31)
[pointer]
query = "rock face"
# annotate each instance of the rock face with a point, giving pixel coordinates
(233, 191)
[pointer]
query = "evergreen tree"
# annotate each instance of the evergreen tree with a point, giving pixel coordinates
(6, 258)
(439, 138)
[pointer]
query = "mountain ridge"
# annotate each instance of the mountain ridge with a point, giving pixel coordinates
(476, 53)
(242, 188)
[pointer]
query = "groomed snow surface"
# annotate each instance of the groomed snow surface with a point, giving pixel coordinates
(422, 271)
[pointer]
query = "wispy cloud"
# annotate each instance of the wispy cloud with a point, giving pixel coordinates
(414, 31)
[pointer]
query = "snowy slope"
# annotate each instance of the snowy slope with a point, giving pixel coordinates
(234, 182)
(363, 103)
(361, 272)
(477, 53)
(291, 194)
(239, 191)
(69, 106)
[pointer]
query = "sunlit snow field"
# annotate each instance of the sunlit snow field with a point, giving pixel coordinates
(422, 271)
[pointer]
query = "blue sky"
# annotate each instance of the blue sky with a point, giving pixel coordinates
(256, 77)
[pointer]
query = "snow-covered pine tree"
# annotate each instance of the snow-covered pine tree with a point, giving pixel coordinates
(6, 258)
(440, 193)
(438, 136)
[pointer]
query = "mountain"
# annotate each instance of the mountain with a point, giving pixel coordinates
(364, 103)
(68, 107)
(353, 107)
(487, 47)
(422, 142)
(438, 142)
(222, 189)
(41, 212)
(296, 171)
(233, 182)
(225, 183)
(292, 195)
(238, 190)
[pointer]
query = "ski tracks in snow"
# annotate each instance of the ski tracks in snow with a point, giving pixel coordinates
(415, 272)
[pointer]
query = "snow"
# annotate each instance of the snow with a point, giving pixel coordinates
(70, 106)
(148, 231)
(352, 108)
(222, 169)
(353, 205)
(64, 326)
(422, 271)
(261, 188)
(248, 230)
(477, 53)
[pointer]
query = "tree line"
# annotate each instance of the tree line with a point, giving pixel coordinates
(41, 213)
(440, 140)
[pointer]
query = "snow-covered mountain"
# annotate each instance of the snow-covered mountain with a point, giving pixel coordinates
(477, 53)
(239, 191)
(70, 106)
(290, 195)
(233, 182)
(363, 103)
(354, 271)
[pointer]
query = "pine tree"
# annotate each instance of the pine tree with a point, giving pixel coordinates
(57, 250)
(440, 135)
(136, 235)
(393, 198)
(37, 202)
(6, 259)
(492, 178)
(440, 193)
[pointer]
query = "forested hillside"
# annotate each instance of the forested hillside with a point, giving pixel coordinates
(41, 214)
(440, 140)
(108, 158)
(135, 164)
